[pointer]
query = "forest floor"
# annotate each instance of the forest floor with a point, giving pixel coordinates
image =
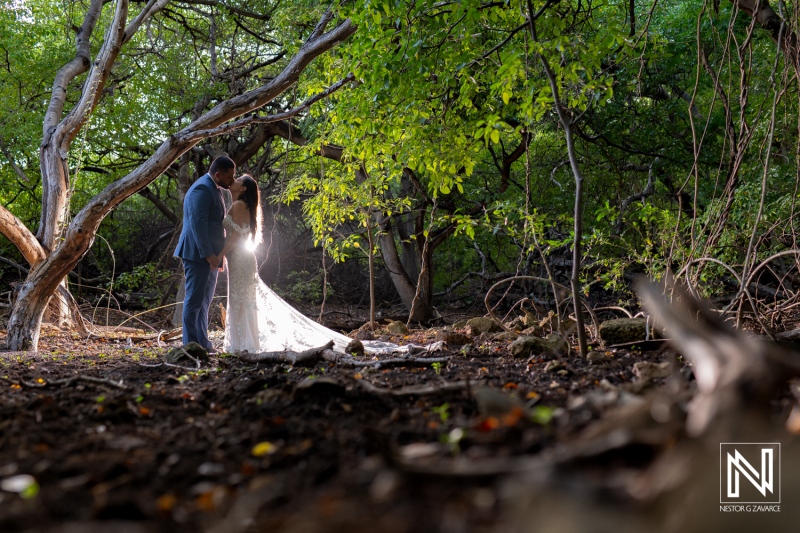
(111, 444)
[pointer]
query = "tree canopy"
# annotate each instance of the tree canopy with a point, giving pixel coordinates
(443, 148)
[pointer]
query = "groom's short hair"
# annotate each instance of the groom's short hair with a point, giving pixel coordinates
(221, 164)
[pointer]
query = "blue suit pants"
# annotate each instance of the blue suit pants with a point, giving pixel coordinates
(201, 280)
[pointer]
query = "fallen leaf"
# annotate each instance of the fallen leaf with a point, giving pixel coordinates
(263, 448)
(488, 424)
(513, 417)
(211, 499)
(165, 503)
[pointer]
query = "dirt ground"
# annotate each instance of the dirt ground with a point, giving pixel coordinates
(112, 444)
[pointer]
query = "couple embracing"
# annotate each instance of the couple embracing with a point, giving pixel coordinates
(258, 320)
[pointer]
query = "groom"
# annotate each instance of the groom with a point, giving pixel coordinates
(202, 239)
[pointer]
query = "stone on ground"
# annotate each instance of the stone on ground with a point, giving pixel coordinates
(527, 346)
(397, 328)
(481, 324)
(623, 330)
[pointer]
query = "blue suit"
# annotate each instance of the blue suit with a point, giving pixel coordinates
(202, 236)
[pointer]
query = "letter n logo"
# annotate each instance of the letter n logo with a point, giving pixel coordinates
(750, 472)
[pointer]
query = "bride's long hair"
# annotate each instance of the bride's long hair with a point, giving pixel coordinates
(251, 198)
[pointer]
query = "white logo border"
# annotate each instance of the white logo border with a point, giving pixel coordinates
(722, 474)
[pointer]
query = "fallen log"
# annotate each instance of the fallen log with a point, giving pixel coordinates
(312, 356)
(308, 357)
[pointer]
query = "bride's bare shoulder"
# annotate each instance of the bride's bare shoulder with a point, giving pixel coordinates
(238, 212)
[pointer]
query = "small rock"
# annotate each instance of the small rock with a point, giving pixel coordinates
(506, 336)
(479, 325)
(647, 371)
(178, 354)
(458, 324)
(355, 347)
(552, 366)
(597, 357)
(364, 334)
(624, 330)
(397, 328)
(526, 346)
(453, 338)
(563, 372)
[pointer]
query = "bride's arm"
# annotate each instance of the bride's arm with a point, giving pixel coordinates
(238, 213)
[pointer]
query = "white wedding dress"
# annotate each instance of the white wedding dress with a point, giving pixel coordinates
(258, 320)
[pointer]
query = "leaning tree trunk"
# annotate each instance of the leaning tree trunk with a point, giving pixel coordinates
(43, 280)
(62, 305)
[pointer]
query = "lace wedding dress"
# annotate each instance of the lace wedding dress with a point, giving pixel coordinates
(258, 320)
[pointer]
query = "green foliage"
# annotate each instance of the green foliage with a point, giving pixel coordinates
(442, 411)
(451, 110)
(142, 278)
(304, 286)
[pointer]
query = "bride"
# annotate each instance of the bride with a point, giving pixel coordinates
(258, 320)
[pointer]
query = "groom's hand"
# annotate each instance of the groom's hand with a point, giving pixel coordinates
(213, 260)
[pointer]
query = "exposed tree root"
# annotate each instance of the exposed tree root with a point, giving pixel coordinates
(416, 390)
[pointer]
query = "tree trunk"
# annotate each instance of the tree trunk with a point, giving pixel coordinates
(25, 323)
(566, 123)
(409, 229)
(371, 259)
(61, 306)
(406, 288)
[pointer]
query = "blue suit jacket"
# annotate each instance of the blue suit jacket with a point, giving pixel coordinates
(202, 234)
